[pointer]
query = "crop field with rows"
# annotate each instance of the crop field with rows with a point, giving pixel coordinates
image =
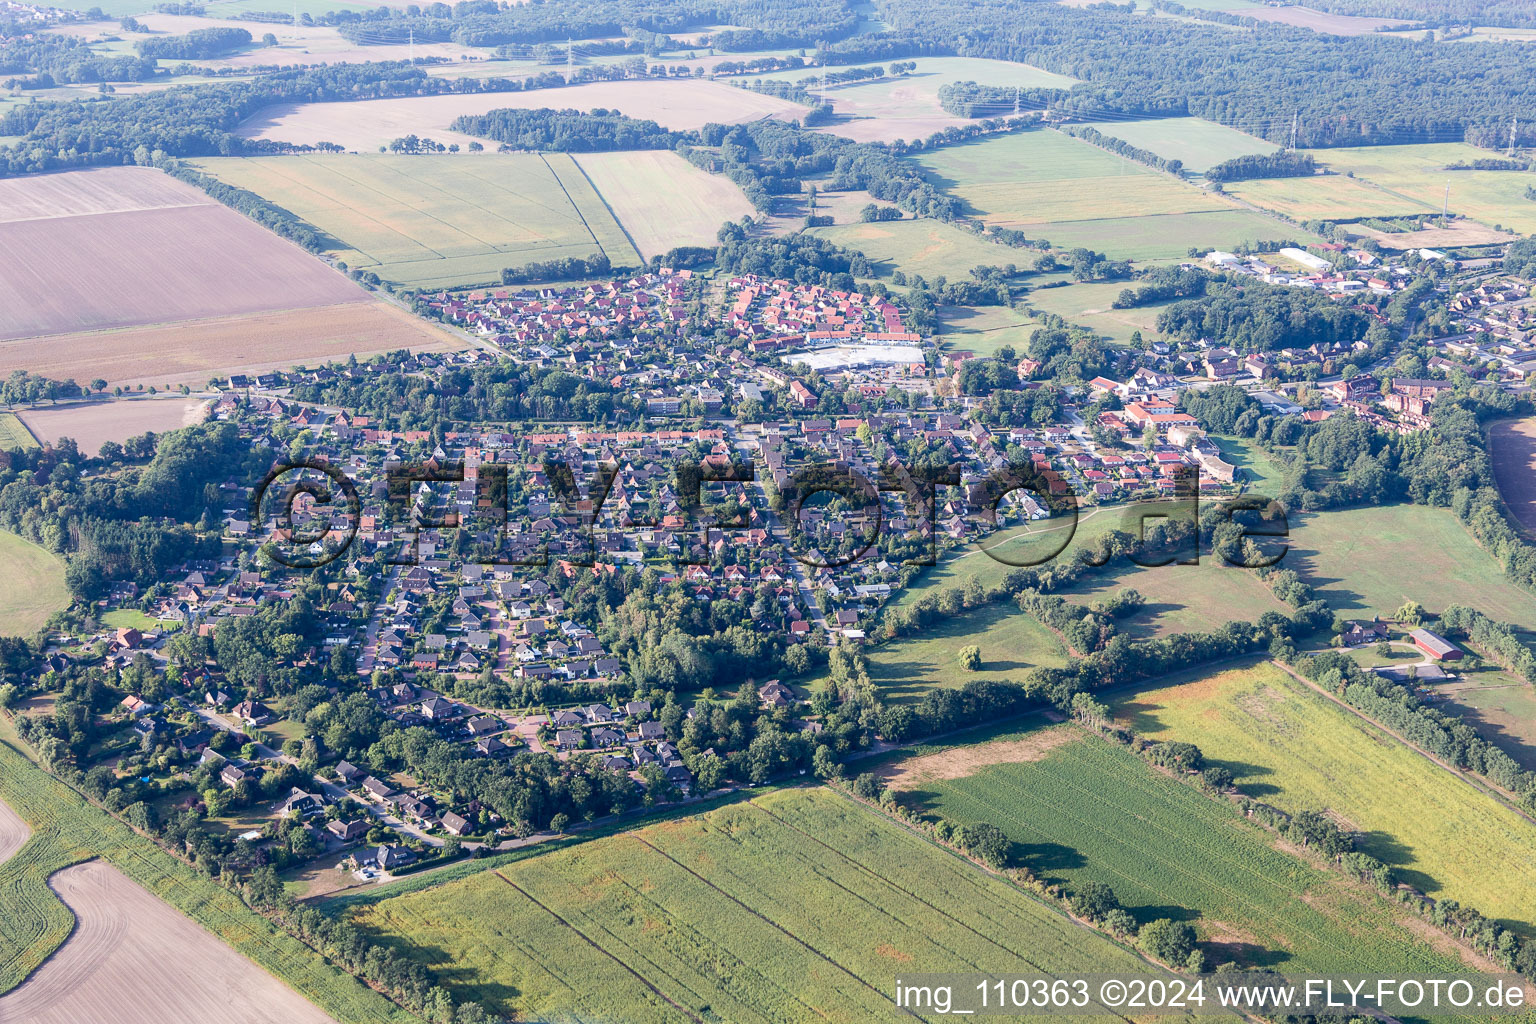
(798, 905)
(1090, 811)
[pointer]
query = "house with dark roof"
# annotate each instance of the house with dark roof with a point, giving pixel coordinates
(387, 858)
(348, 831)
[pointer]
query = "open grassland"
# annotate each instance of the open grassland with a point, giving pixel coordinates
(67, 830)
(1037, 155)
(368, 124)
(1201, 144)
(1261, 474)
(662, 200)
(127, 246)
(92, 424)
(926, 247)
(1418, 173)
(1012, 642)
(1326, 197)
(1074, 194)
(1042, 175)
(34, 586)
(1080, 809)
(194, 351)
(1164, 236)
(439, 221)
(796, 906)
(1370, 560)
(1136, 194)
(1181, 598)
(145, 963)
(1294, 748)
(983, 330)
(1502, 707)
(14, 434)
(1091, 303)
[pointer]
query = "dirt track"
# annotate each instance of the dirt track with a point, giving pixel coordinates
(135, 960)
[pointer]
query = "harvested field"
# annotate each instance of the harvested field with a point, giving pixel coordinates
(963, 761)
(127, 246)
(66, 830)
(1318, 21)
(663, 200)
(1458, 232)
(193, 352)
(13, 832)
(1512, 447)
(1325, 197)
(134, 960)
(92, 424)
(99, 190)
(440, 221)
(1418, 172)
(364, 126)
(927, 247)
(907, 106)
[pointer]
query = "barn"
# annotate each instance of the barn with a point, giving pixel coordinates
(1434, 645)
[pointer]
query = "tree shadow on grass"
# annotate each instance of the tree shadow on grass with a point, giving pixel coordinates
(1245, 776)
(1045, 858)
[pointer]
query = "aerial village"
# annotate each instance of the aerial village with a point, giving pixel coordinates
(454, 584)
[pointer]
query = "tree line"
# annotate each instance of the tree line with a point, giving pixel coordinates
(199, 44)
(1367, 89)
(196, 120)
(569, 130)
(65, 60)
(754, 24)
(1284, 164)
(1125, 149)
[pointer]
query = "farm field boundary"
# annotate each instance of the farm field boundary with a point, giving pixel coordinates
(1087, 810)
(68, 830)
(685, 914)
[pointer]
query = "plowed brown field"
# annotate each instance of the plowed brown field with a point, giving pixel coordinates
(135, 960)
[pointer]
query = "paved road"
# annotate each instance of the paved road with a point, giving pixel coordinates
(802, 577)
(377, 811)
(369, 648)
